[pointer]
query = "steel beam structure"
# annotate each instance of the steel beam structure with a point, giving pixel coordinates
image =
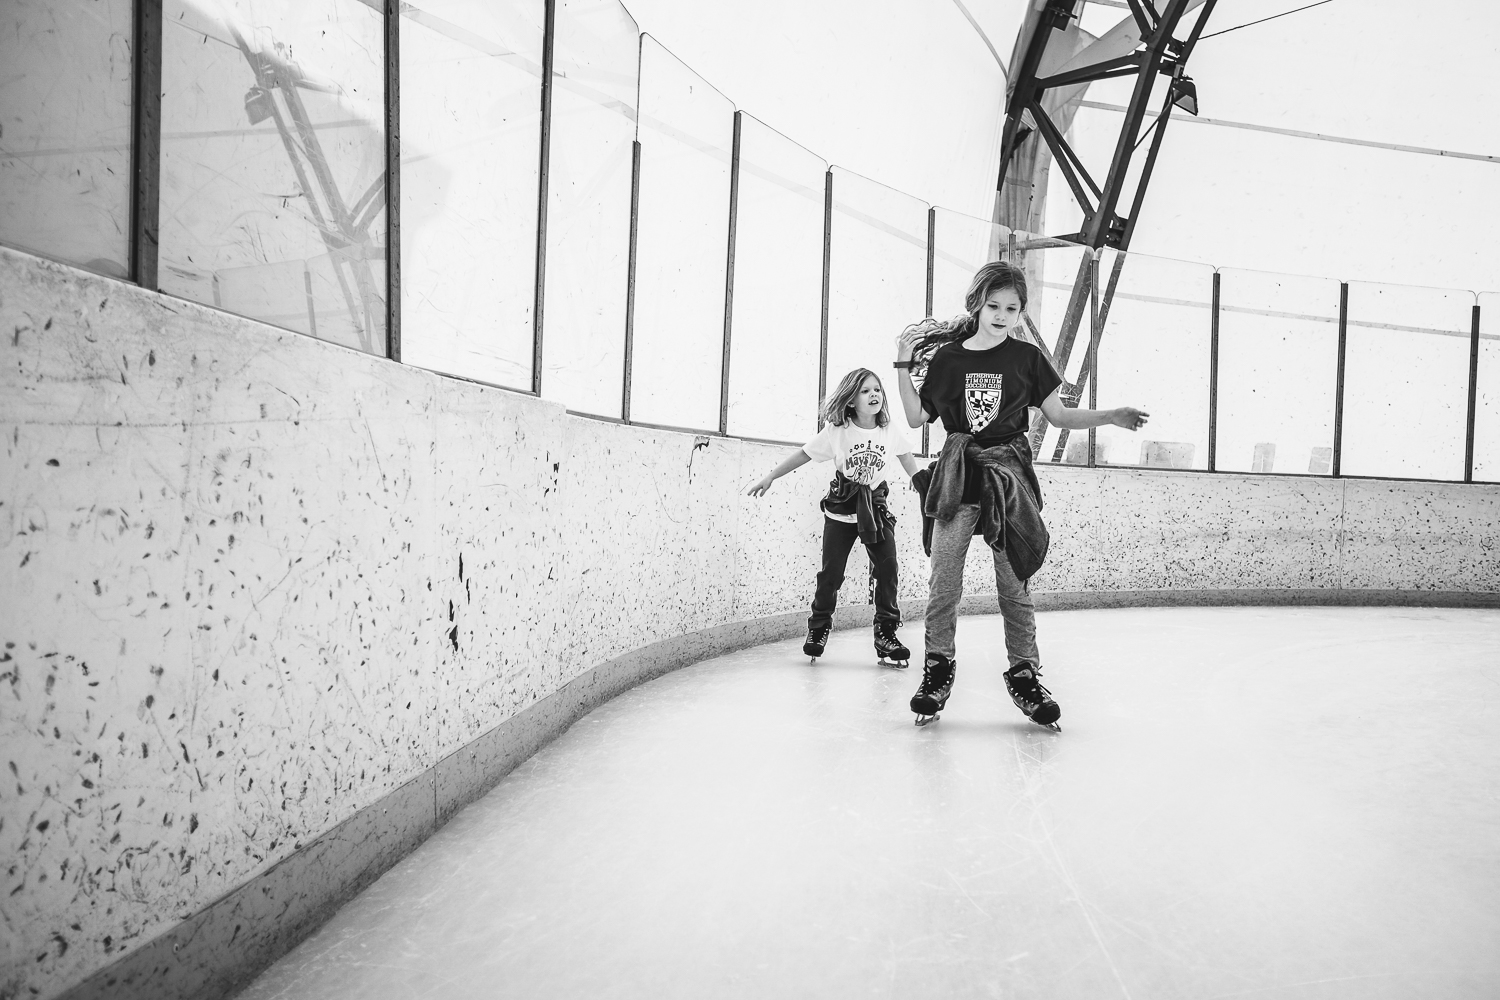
(1157, 51)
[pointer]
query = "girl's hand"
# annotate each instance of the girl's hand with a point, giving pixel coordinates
(1128, 417)
(761, 488)
(906, 343)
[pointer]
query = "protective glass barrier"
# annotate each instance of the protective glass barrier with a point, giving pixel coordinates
(595, 59)
(778, 287)
(1154, 344)
(682, 244)
(962, 245)
(1487, 396)
(471, 84)
(65, 128)
(1057, 310)
(273, 163)
(877, 277)
(1278, 372)
(1406, 381)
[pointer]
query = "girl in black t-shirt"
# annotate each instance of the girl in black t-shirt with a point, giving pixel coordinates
(980, 380)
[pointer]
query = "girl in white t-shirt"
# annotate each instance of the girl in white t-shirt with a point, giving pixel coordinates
(860, 439)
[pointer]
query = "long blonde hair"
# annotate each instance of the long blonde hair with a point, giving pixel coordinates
(838, 408)
(995, 276)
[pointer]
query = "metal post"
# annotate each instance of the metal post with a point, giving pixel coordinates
(1338, 392)
(931, 267)
(827, 262)
(734, 213)
(1473, 393)
(1213, 381)
(1093, 358)
(392, 181)
(145, 191)
(539, 310)
(635, 205)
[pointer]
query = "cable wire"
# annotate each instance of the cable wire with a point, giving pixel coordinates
(1263, 20)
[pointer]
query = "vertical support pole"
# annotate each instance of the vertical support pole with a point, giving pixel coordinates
(538, 312)
(931, 268)
(827, 262)
(307, 291)
(635, 206)
(1010, 249)
(734, 214)
(145, 150)
(1093, 358)
(392, 182)
(1473, 394)
(1338, 389)
(1213, 381)
(931, 255)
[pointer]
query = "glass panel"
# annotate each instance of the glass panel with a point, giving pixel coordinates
(1278, 372)
(877, 277)
(1487, 399)
(1154, 355)
(1406, 381)
(471, 91)
(778, 287)
(595, 56)
(273, 163)
(682, 243)
(65, 131)
(1060, 326)
(962, 245)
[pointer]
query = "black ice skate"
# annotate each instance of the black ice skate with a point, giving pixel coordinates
(817, 641)
(889, 648)
(937, 685)
(1030, 697)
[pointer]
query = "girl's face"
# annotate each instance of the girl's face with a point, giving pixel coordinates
(870, 398)
(1000, 311)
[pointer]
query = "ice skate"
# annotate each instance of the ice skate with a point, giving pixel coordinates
(889, 648)
(937, 685)
(1030, 697)
(817, 641)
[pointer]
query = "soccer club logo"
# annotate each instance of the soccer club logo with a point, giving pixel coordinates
(981, 399)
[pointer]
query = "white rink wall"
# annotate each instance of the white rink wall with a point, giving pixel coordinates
(254, 583)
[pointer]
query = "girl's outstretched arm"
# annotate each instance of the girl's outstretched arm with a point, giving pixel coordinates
(908, 463)
(795, 460)
(1075, 419)
(911, 403)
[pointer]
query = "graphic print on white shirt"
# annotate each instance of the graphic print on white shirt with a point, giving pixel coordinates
(865, 462)
(862, 454)
(981, 399)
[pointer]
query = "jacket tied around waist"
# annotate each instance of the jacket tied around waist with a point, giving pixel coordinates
(1010, 498)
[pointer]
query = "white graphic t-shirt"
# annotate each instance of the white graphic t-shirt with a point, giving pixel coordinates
(862, 455)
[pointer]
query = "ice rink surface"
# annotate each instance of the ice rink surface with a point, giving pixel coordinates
(1244, 802)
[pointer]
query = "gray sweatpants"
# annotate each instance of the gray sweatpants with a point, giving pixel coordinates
(950, 544)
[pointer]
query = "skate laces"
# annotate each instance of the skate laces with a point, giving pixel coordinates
(1025, 680)
(936, 675)
(817, 635)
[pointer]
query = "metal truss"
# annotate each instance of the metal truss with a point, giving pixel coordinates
(1143, 46)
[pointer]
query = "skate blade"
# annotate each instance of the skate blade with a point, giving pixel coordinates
(896, 664)
(927, 720)
(1047, 725)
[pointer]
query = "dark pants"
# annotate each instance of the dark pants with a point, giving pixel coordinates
(838, 539)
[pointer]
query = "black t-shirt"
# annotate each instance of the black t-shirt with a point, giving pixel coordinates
(986, 393)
